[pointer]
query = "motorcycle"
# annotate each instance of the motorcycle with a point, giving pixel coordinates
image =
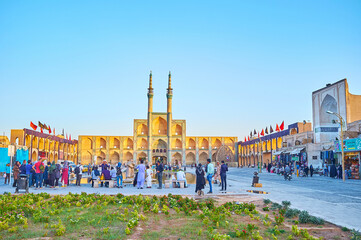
(287, 176)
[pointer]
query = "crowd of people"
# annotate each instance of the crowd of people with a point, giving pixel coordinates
(42, 173)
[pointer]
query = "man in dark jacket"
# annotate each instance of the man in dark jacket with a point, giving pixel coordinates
(159, 173)
(224, 169)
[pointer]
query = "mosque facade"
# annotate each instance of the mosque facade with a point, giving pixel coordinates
(159, 137)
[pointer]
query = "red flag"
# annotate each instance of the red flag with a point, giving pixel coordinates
(248, 138)
(70, 137)
(282, 126)
(262, 133)
(54, 131)
(41, 130)
(33, 126)
(49, 129)
(277, 128)
(66, 137)
(245, 139)
(258, 134)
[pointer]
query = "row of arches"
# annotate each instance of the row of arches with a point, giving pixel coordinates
(114, 158)
(159, 127)
(54, 156)
(44, 144)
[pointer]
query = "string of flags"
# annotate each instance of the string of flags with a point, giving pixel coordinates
(43, 127)
(265, 131)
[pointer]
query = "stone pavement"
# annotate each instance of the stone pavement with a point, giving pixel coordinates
(330, 199)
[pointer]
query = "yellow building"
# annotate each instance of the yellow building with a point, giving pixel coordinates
(159, 137)
(4, 142)
(45, 145)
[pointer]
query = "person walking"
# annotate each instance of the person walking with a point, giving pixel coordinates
(57, 175)
(141, 175)
(311, 170)
(39, 168)
(51, 173)
(210, 172)
(200, 181)
(7, 173)
(65, 174)
(159, 170)
(119, 175)
(78, 173)
(224, 170)
(16, 171)
(29, 168)
(306, 170)
(149, 173)
(46, 175)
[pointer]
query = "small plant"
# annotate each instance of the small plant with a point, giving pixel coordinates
(266, 209)
(345, 229)
(286, 204)
(266, 201)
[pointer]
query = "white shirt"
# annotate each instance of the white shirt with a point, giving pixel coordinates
(181, 176)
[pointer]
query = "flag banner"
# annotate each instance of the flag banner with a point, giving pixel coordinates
(258, 134)
(277, 128)
(270, 129)
(41, 130)
(245, 139)
(66, 137)
(262, 133)
(282, 126)
(42, 125)
(70, 137)
(33, 126)
(54, 131)
(255, 132)
(248, 138)
(49, 128)
(251, 134)
(266, 131)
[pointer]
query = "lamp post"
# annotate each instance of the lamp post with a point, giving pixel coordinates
(341, 122)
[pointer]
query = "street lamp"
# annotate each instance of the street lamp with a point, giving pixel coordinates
(341, 122)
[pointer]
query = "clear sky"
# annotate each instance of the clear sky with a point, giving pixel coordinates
(236, 65)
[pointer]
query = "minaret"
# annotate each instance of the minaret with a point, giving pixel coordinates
(169, 117)
(149, 119)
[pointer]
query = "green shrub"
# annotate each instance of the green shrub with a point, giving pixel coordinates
(304, 217)
(276, 206)
(266, 201)
(291, 213)
(286, 204)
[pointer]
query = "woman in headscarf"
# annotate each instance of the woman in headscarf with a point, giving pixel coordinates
(200, 181)
(16, 171)
(51, 172)
(65, 174)
(95, 175)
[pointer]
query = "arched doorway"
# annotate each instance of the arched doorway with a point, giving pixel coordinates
(203, 158)
(190, 158)
(142, 156)
(177, 159)
(114, 158)
(159, 151)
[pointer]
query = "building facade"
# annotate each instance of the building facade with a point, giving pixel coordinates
(266, 149)
(158, 137)
(40, 144)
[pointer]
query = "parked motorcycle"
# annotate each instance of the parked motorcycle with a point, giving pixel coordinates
(287, 176)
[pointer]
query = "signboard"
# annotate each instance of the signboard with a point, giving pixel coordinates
(295, 158)
(350, 145)
(11, 150)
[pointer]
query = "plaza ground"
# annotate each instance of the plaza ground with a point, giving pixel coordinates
(330, 199)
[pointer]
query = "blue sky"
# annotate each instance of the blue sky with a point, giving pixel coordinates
(236, 65)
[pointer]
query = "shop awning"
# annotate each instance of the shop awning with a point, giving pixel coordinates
(277, 153)
(296, 151)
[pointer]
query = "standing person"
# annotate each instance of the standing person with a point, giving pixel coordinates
(78, 173)
(39, 171)
(210, 172)
(23, 168)
(298, 169)
(217, 174)
(65, 174)
(46, 174)
(119, 175)
(51, 173)
(89, 169)
(149, 176)
(29, 168)
(141, 175)
(306, 170)
(7, 173)
(16, 171)
(200, 181)
(340, 172)
(105, 165)
(57, 174)
(159, 170)
(311, 170)
(224, 170)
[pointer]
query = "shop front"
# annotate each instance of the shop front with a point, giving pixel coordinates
(352, 150)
